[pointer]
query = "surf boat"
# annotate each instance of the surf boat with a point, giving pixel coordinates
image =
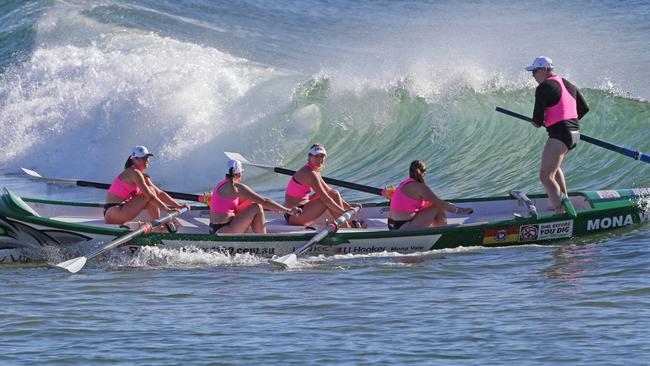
(29, 226)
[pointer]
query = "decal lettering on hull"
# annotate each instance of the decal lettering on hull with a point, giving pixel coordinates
(641, 191)
(608, 194)
(546, 231)
(609, 222)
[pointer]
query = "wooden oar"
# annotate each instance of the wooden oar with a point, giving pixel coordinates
(637, 155)
(76, 264)
(290, 260)
(83, 183)
(332, 181)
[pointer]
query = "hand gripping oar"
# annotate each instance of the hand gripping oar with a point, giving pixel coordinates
(592, 140)
(335, 182)
(290, 260)
(83, 183)
(76, 264)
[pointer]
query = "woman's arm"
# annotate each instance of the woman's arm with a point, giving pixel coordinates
(266, 202)
(316, 182)
(150, 191)
(162, 195)
(428, 195)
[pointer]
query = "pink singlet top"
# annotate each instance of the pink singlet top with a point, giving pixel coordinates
(124, 190)
(297, 190)
(220, 204)
(564, 109)
(403, 203)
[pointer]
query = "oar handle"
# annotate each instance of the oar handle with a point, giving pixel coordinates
(176, 195)
(83, 183)
(336, 182)
(333, 227)
(514, 114)
(635, 154)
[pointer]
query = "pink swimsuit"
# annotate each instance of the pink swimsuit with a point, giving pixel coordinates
(124, 190)
(298, 190)
(220, 204)
(565, 108)
(403, 203)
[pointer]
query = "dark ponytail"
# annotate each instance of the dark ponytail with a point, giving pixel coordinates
(230, 175)
(416, 170)
(128, 163)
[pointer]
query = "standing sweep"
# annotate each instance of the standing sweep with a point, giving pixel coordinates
(558, 107)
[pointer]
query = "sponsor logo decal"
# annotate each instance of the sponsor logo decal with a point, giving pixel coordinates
(500, 235)
(615, 221)
(528, 232)
(362, 249)
(405, 245)
(608, 194)
(232, 250)
(546, 231)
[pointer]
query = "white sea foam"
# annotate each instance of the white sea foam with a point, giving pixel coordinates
(80, 107)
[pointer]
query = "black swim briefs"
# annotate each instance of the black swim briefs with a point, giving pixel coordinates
(569, 135)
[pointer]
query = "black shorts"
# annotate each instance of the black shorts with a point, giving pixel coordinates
(562, 131)
(287, 216)
(215, 227)
(395, 224)
(109, 205)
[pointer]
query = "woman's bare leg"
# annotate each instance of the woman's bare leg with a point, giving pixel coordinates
(252, 215)
(428, 217)
(311, 211)
(554, 151)
(128, 211)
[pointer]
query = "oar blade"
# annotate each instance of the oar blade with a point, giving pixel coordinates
(76, 264)
(73, 265)
(85, 183)
(37, 175)
(285, 262)
(31, 173)
(236, 156)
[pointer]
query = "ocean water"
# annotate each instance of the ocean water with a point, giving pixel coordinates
(379, 83)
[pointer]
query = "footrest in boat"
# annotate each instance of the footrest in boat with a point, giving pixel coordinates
(524, 201)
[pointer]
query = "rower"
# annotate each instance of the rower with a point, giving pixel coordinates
(413, 205)
(307, 190)
(133, 191)
(229, 215)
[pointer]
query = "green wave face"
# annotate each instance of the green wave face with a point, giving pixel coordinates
(469, 148)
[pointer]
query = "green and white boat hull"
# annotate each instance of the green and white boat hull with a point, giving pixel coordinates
(28, 227)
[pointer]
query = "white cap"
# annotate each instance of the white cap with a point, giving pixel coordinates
(236, 167)
(140, 152)
(317, 150)
(541, 61)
